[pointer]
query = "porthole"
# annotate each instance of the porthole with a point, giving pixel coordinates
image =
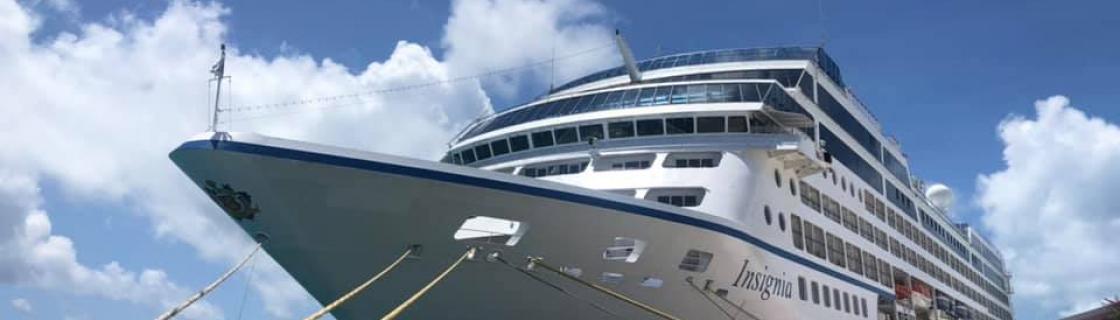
(833, 176)
(777, 178)
(843, 184)
(781, 221)
(792, 188)
(766, 214)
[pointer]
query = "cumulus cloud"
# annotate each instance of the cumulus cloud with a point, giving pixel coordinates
(34, 256)
(97, 110)
(482, 34)
(1053, 209)
(21, 305)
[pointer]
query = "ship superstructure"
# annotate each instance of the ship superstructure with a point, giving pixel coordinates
(724, 184)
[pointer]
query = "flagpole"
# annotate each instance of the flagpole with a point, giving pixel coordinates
(219, 71)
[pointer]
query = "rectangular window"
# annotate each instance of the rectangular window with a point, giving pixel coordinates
(801, 289)
(645, 98)
(613, 99)
(468, 156)
(542, 139)
(736, 124)
(587, 132)
(621, 129)
(795, 229)
(836, 299)
(679, 125)
(710, 124)
(499, 147)
(651, 127)
(847, 306)
(866, 230)
(870, 266)
(885, 275)
(855, 260)
(836, 250)
(863, 306)
(518, 143)
(629, 98)
(697, 93)
(816, 242)
(482, 151)
(831, 208)
(851, 221)
(566, 135)
(851, 159)
(662, 96)
(816, 293)
(680, 95)
(810, 196)
(827, 300)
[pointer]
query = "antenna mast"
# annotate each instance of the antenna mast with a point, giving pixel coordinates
(219, 72)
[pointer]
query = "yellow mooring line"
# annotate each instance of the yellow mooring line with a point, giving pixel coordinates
(397, 312)
(616, 295)
(345, 298)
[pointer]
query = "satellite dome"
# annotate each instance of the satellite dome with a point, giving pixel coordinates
(941, 196)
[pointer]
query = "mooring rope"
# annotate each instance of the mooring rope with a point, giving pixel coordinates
(558, 288)
(707, 291)
(616, 295)
(330, 307)
(407, 303)
(704, 293)
(214, 285)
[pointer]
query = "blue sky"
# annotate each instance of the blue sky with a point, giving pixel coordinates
(940, 76)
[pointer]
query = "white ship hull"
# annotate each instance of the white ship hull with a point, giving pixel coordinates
(335, 217)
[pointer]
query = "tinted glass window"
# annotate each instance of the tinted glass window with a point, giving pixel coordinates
(612, 99)
(518, 143)
(542, 139)
(468, 156)
(709, 124)
(838, 113)
(651, 127)
(645, 98)
(662, 96)
(679, 125)
(621, 129)
(566, 135)
(629, 98)
(697, 93)
(736, 124)
(851, 159)
(751, 92)
(499, 147)
(482, 151)
(591, 131)
(680, 95)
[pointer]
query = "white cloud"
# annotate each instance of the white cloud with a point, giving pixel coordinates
(34, 256)
(21, 305)
(97, 111)
(1053, 209)
(483, 34)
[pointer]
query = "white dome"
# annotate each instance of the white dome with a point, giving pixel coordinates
(941, 196)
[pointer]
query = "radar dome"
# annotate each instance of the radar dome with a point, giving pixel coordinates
(941, 196)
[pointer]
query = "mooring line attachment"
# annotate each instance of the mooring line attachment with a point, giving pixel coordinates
(706, 292)
(498, 258)
(214, 285)
(538, 262)
(345, 298)
(407, 303)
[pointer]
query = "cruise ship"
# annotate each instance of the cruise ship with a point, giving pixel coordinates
(723, 184)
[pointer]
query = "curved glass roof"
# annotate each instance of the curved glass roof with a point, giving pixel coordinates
(814, 54)
(770, 92)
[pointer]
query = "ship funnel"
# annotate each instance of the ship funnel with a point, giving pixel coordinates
(941, 196)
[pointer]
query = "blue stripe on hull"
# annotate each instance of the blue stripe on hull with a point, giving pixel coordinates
(523, 189)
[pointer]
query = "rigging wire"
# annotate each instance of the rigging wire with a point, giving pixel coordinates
(404, 88)
(557, 287)
(245, 294)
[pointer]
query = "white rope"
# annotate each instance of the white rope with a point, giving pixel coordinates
(330, 307)
(609, 292)
(201, 293)
(411, 300)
